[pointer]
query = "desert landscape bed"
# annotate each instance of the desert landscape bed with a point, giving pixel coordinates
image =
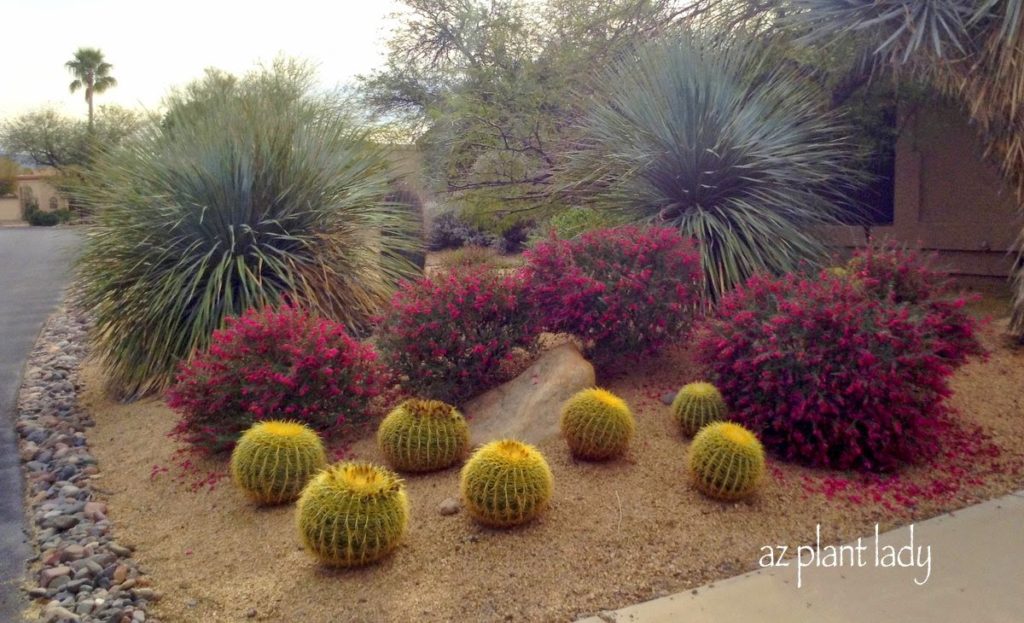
(616, 533)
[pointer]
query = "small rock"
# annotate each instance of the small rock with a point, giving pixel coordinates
(72, 552)
(250, 613)
(49, 575)
(63, 522)
(668, 398)
(59, 613)
(120, 574)
(95, 510)
(75, 585)
(449, 506)
(148, 594)
(120, 550)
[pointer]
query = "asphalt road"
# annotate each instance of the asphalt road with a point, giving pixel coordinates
(34, 270)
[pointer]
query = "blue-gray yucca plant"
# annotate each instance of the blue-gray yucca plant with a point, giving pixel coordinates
(709, 138)
(254, 193)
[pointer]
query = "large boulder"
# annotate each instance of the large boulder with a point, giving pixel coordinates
(529, 406)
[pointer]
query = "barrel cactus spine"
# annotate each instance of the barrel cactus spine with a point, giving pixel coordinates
(506, 483)
(597, 424)
(353, 514)
(423, 435)
(697, 405)
(274, 460)
(726, 461)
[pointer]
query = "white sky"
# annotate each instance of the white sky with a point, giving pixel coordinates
(154, 46)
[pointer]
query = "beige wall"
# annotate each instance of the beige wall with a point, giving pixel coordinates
(947, 197)
(40, 187)
(10, 209)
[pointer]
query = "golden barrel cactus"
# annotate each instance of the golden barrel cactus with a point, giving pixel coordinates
(726, 461)
(506, 483)
(597, 424)
(352, 514)
(274, 460)
(423, 436)
(697, 405)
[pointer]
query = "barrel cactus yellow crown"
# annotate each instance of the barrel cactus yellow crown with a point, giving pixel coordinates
(506, 483)
(423, 436)
(274, 460)
(697, 405)
(597, 424)
(352, 514)
(726, 461)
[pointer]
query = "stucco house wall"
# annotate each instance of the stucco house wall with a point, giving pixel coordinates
(10, 209)
(34, 185)
(38, 185)
(948, 198)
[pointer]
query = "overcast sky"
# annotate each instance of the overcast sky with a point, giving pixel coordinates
(156, 45)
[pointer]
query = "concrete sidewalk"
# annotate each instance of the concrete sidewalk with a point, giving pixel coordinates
(977, 575)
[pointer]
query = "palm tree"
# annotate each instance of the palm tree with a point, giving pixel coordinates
(92, 73)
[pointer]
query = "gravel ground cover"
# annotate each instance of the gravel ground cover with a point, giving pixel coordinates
(616, 533)
(81, 572)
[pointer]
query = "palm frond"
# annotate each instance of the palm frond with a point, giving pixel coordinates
(901, 28)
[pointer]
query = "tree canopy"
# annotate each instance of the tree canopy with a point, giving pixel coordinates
(490, 89)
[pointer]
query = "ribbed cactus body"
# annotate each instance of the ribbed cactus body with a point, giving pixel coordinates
(597, 424)
(726, 461)
(423, 436)
(697, 405)
(506, 483)
(274, 460)
(352, 514)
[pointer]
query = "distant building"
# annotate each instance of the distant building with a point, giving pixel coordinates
(32, 189)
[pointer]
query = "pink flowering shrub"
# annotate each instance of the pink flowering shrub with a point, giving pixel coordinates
(625, 290)
(827, 375)
(274, 363)
(903, 276)
(898, 274)
(452, 335)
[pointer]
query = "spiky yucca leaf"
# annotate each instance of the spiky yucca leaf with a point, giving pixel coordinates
(259, 195)
(735, 153)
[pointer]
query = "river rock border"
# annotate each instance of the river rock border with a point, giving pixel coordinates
(79, 573)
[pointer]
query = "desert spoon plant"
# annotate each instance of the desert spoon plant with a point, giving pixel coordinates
(248, 194)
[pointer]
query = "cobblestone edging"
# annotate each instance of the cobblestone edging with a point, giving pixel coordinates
(80, 572)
